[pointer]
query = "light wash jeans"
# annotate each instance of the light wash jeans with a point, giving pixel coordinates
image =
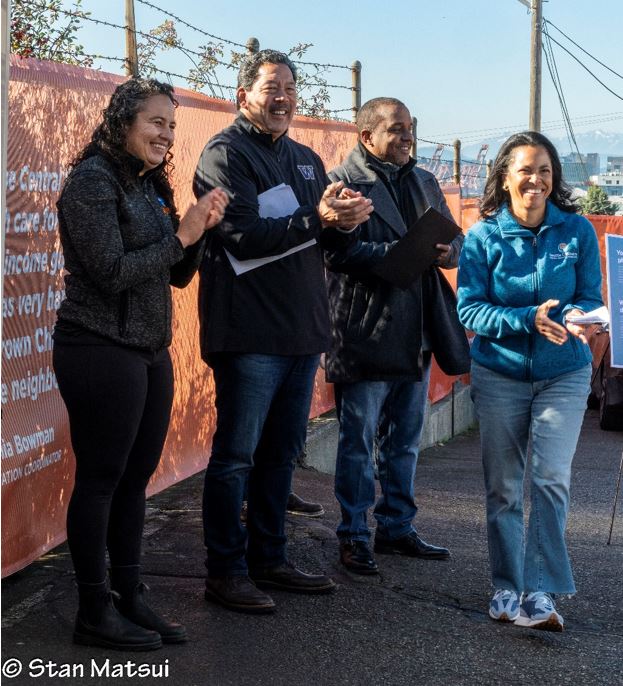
(510, 412)
(393, 412)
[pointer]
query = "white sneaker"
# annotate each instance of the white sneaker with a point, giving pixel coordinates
(504, 606)
(538, 611)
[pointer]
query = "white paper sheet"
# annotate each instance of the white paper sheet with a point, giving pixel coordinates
(276, 202)
(598, 316)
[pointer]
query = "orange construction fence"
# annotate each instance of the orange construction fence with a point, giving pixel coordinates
(53, 110)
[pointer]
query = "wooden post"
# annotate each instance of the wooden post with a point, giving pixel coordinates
(253, 45)
(356, 99)
(131, 54)
(414, 144)
(535, 66)
(457, 162)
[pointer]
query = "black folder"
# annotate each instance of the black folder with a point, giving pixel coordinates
(415, 251)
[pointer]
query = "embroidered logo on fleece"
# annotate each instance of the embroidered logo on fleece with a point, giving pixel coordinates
(566, 251)
(165, 209)
(307, 171)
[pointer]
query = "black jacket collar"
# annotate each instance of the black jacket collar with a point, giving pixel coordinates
(388, 170)
(265, 139)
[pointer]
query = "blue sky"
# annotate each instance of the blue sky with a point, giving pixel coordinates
(461, 66)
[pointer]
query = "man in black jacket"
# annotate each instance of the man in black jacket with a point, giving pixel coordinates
(382, 340)
(264, 322)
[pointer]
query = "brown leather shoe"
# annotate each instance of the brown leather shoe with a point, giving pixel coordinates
(287, 577)
(303, 508)
(238, 593)
(357, 557)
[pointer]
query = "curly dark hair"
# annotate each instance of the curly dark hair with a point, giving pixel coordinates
(109, 138)
(494, 195)
(251, 65)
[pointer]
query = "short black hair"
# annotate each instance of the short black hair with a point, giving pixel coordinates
(369, 115)
(494, 195)
(251, 65)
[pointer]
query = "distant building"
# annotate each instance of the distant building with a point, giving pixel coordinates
(614, 164)
(576, 168)
(592, 163)
(611, 182)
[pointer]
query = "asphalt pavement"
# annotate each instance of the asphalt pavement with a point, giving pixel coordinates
(417, 623)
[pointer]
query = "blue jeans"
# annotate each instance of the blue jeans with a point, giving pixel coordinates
(510, 412)
(262, 405)
(393, 412)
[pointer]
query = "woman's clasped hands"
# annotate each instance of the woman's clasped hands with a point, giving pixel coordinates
(205, 214)
(554, 332)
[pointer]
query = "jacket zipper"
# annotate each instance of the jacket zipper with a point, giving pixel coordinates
(535, 287)
(168, 313)
(124, 314)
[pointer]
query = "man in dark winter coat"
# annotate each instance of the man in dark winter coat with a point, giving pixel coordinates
(382, 341)
(264, 322)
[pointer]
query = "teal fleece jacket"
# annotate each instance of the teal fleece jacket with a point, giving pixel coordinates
(506, 272)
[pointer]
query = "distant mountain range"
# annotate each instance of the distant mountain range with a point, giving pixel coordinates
(603, 142)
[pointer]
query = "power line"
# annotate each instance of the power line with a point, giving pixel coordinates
(553, 70)
(582, 49)
(578, 121)
(620, 97)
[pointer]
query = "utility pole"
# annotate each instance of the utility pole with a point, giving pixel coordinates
(131, 56)
(536, 49)
(536, 42)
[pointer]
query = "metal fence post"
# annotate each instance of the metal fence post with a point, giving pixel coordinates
(414, 144)
(457, 162)
(252, 45)
(131, 53)
(356, 90)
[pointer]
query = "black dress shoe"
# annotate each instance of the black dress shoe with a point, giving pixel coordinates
(297, 506)
(135, 608)
(113, 630)
(411, 545)
(288, 578)
(357, 557)
(238, 593)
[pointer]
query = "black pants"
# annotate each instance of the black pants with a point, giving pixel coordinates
(119, 404)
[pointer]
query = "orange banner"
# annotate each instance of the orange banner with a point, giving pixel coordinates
(603, 225)
(53, 110)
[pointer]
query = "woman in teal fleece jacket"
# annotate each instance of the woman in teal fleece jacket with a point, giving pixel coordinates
(529, 265)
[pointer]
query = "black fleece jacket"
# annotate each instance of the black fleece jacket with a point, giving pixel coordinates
(121, 254)
(280, 308)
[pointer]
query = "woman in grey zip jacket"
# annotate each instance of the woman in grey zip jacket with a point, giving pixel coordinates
(526, 268)
(124, 243)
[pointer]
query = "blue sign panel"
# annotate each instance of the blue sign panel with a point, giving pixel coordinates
(614, 264)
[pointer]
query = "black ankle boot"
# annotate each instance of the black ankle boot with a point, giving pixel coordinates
(98, 623)
(133, 606)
